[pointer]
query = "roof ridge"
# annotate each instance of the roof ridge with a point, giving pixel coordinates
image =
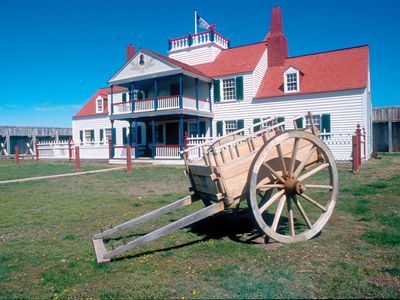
(328, 51)
(251, 44)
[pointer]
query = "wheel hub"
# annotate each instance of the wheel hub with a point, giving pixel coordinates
(294, 186)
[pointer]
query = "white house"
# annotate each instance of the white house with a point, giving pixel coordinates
(205, 87)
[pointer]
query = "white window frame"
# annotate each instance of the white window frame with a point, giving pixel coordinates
(97, 105)
(232, 88)
(291, 72)
(87, 136)
(107, 134)
(228, 126)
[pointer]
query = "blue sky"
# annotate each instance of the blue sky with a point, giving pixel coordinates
(55, 54)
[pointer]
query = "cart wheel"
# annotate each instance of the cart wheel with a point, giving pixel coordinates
(295, 170)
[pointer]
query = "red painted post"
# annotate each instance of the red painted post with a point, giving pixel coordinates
(16, 155)
(128, 159)
(37, 151)
(69, 150)
(77, 159)
(110, 148)
(354, 154)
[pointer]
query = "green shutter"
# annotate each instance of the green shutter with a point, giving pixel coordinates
(92, 135)
(258, 127)
(239, 88)
(124, 136)
(81, 136)
(217, 95)
(101, 134)
(299, 123)
(123, 97)
(240, 124)
(326, 123)
(220, 128)
(280, 120)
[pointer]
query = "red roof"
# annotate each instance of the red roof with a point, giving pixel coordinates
(235, 60)
(321, 72)
(89, 109)
(178, 63)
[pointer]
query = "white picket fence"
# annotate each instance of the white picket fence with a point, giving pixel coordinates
(59, 150)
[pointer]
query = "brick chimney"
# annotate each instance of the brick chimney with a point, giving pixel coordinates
(276, 40)
(130, 52)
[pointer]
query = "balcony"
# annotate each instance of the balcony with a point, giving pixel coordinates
(164, 103)
(201, 38)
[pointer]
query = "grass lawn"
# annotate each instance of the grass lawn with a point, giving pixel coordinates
(31, 168)
(46, 250)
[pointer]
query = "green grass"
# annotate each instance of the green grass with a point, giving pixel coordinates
(46, 250)
(31, 168)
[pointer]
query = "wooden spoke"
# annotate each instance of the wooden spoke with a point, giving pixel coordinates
(304, 162)
(313, 171)
(270, 186)
(294, 154)
(278, 213)
(290, 215)
(302, 212)
(274, 172)
(279, 149)
(312, 201)
(318, 186)
(265, 197)
(271, 201)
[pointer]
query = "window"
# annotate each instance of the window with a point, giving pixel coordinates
(291, 80)
(99, 105)
(89, 136)
(322, 123)
(108, 134)
(229, 89)
(230, 126)
(317, 121)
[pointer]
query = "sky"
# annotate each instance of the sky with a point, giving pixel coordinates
(55, 54)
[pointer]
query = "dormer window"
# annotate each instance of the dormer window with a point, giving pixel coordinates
(99, 105)
(291, 80)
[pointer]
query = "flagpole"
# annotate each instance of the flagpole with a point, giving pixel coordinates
(195, 21)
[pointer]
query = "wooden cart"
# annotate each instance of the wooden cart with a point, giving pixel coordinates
(270, 167)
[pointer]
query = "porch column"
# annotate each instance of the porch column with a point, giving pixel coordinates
(153, 139)
(136, 134)
(133, 96)
(180, 92)
(198, 125)
(181, 132)
(209, 96)
(155, 95)
(131, 133)
(112, 139)
(211, 128)
(197, 93)
(112, 101)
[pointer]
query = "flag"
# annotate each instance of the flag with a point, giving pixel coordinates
(202, 23)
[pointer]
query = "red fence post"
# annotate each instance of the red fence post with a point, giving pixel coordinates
(77, 159)
(128, 159)
(37, 151)
(69, 150)
(16, 156)
(110, 148)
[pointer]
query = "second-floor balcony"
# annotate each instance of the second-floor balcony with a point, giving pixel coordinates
(163, 103)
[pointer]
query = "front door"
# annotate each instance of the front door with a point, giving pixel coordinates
(172, 133)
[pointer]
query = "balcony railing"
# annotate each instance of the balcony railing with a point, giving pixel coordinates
(198, 39)
(167, 151)
(162, 103)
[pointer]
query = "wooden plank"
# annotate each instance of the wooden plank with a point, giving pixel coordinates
(100, 250)
(197, 216)
(201, 170)
(147, 217)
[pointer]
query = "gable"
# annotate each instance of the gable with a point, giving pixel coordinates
(142, 66)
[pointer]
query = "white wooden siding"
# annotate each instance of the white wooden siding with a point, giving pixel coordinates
(197, 55)
(259, 72)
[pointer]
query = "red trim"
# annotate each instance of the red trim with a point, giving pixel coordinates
(119, 103)
(191, 97)
(168, 146)
(122, 147)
